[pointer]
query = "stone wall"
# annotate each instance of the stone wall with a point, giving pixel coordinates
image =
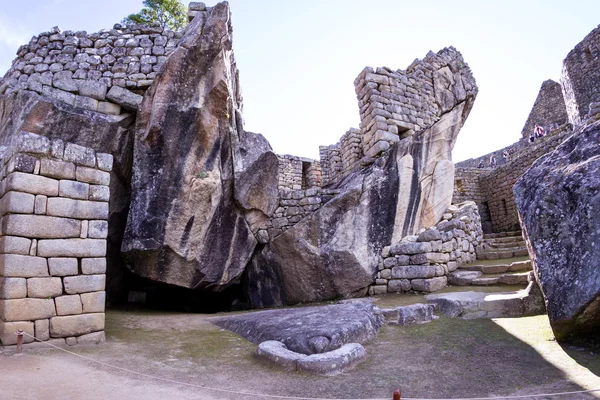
(298, 173)
(340, 159)
(105, 71)
(54, 206)
(580, 77)
(548, 111)
(421, 263)
(396, 104)
(492, 189)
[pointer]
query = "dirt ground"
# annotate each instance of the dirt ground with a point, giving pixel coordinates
(448, 358)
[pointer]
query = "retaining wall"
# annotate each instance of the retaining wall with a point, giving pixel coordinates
(54, 206)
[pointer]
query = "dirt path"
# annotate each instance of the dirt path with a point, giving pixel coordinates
(446, 358)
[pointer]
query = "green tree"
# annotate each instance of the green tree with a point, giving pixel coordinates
(168, 13)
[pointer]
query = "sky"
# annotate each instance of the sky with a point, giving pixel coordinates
(298, 59)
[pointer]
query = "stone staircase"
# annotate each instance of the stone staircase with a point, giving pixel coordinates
(503, 245)
(498, 272)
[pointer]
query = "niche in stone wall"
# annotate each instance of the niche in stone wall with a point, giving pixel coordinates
(504, 208)
(459, 186)
(305, 180)
(587, 54)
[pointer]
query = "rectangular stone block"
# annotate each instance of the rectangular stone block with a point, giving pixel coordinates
(82, 209)
(44, 287)
(431, 258)
(93, 176)
(68, 305)
(76, 325)
(42, 329)
(63, 266)
(84, 283)
(19, 266)
(86, 103)
(14, 245)
(429, 285)
(84, 229)
(106, 107)
(73, 189)
(99, 193)
(28, 142)
(40, 226)
(93, 266)
(410, 248)
(57, 169)
(91, 338)
(8, 332)
(414, 271)
(72, 248)
(13, 288)
(40, 204)
(26, 309)
(105, 161)
(93, 302)
(98, 229)
(29, 183)
(80, 155)
(94, 89)
(22, 163)
(17, 202)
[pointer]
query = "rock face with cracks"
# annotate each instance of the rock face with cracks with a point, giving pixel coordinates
(559, 202)
(188, 226)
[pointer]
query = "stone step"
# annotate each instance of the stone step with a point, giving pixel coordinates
(517, 266)
(510, 239)
(501, 234)
(473, 304)
(503, 245)
(506, 253)
(466, 278)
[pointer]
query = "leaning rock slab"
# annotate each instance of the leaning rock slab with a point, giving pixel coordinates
(558, 201)
(184, 226)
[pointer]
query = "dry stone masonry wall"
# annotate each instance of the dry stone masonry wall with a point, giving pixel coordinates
(298, 173)
(580, 77)
(421, 263)
(54, 206)
(107, 71)
(340, 159)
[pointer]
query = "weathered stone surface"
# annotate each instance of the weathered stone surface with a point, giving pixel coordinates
(80, 155)
(91, 266)
(68, 305)
(14, 265)
(73, 189)
(14, 245)
(76, 325)
(339, 323)
(41, 226)
(99, 193)
(35, 184)
(26, 309)
(8, 332)
(277, 353)
(44, 287)
(72, 248)
(82, 209)
(559, 206)
(125, 98)
(98, 229)
(17, 202)
(93, 302)
(182, 206)
(40, 204)
(91, 338)
(92, 175)
(84, 283)
(42, 329)
(63, 266)
(415, 314)
(13, 288)
(57, 169)
(429, 285)
(333, 362)
(413, 271)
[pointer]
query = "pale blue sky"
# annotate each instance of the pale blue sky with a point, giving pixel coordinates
(298, 59)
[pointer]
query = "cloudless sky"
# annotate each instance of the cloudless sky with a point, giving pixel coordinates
(298, 59)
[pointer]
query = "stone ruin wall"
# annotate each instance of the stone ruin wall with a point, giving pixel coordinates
(107, 71)
(54, 208)
(549, 110)
(492, 190)
(298, 173)
(340, 159)
(422, 262)
(580, 77)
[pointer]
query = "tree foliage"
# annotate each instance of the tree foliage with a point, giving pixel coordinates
(168, 13)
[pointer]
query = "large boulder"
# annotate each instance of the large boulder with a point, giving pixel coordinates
(558, 200)
(187, 222)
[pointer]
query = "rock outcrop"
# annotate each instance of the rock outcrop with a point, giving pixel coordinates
(187, 222)
(559, 202)
(335, 251)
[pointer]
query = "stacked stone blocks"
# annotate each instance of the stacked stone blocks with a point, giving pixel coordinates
(421, 263)
(106, 71)
(298, 173)
(54, 207)
(340, 159)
